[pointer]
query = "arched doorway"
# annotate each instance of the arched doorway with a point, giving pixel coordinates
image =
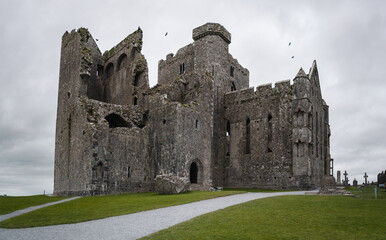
(193, 172)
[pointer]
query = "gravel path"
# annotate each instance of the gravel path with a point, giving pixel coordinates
(136, 225)
(25, 210)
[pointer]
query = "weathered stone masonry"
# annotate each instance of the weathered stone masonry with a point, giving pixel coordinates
(115, 134)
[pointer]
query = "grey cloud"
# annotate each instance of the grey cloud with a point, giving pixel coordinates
(347, 40)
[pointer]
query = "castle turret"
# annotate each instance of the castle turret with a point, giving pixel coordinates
(302, 127)
(78, 78)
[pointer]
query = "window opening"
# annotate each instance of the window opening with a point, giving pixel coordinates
(109, 70)
(248, 137)
(122, 61)
(182, 68)
(228, 133)
(115, 120)
(99, 170)
(269, 145)
(137, 78)
(232, 71)
(233, 87)
(135, 99)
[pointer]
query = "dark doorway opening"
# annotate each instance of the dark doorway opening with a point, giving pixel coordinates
(193, 173)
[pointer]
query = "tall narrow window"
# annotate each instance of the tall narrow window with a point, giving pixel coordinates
(269, 145)
(128, 172)
(317, 134)
(248, 137)
(197, 124)
(99, 170)
(137, 79)
(182, 68)
(233, 87)
(228, 128)
(109, 70)
(135, 99)
(232, 71)
(227, 141)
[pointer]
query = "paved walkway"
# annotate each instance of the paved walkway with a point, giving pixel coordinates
(25, 210)
(136, 225)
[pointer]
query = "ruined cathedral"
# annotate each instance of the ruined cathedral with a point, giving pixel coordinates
(202, 121)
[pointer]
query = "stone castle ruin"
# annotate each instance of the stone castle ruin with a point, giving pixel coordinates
(201, 121)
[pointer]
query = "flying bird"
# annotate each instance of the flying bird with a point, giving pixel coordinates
(289, 44)
(96, 39)
(166, 34)
(293, 57)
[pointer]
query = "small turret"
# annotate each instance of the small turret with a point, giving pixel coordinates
(211, 29)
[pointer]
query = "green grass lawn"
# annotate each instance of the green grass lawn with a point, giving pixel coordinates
(97, 207)
(368, 192)
(288, 217)
(11, 204)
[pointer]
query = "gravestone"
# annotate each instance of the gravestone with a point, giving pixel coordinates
(355, 183)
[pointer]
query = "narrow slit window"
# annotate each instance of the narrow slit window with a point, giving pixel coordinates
(182, 68)
(135, 100)
(233, 87)
(269, 144)
(228, 133)
(248, 137)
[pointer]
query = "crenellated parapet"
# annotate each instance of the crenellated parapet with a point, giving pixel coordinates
(282, 89)
(211, 29)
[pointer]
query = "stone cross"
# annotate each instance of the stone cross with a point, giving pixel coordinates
(345, 182)
(345, 175)
(365, 176)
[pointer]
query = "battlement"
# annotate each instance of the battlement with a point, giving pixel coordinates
(261, 91)
(211, 29)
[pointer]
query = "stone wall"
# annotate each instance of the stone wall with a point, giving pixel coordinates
(259, 138)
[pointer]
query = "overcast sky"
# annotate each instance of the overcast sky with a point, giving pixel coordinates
(346, 38)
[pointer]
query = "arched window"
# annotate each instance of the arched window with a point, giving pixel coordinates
(122, 61)
(109, 70)
(269, 137)
(193, 172)
(137, 79)
(99, 70)
(248, 137)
